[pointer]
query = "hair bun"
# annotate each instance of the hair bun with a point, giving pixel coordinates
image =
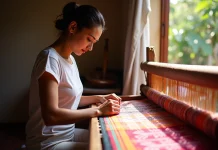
(86, 16)
(69, 9)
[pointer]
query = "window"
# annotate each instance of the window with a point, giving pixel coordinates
(189, 33)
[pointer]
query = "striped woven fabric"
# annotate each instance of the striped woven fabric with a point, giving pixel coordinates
(143, 125)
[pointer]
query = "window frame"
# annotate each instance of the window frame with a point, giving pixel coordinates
(164, 27)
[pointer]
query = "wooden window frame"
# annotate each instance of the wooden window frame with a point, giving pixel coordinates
(164, 27)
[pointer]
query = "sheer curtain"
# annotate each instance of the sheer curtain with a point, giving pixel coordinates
(138, 38)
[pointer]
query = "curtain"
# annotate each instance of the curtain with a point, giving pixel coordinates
(137, 39)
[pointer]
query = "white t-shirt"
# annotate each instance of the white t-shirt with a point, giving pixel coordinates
(38, 135)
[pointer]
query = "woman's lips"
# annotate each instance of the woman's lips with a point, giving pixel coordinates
(83, 51)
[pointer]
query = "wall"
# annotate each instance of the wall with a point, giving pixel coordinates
(26, 27)
(154, 19)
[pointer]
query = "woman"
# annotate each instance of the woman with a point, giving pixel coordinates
(56, 89)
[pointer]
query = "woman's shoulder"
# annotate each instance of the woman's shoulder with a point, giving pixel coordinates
(48, 52)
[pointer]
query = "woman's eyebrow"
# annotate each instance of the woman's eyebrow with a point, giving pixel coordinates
(93, 37)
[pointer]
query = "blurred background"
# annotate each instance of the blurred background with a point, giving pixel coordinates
(193, 32)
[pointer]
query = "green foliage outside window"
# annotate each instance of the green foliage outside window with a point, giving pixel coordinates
(193, 32)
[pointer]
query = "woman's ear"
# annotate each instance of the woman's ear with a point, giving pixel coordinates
(72, 27)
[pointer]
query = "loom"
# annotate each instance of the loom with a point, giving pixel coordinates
(177, 109)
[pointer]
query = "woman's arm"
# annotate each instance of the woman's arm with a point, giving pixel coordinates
(87, 100)
(53, 115)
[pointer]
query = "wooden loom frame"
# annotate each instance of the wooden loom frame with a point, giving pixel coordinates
(206, 76)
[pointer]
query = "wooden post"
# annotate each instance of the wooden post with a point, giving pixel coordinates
(105, 61)
(150, 57)
(95, 136)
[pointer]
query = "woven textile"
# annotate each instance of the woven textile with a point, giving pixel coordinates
(142, 124)
(200, 119)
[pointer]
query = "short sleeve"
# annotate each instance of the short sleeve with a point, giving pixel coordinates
(47, 63)
(52, 67)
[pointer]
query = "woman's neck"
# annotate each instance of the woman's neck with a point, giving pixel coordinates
(61, 46)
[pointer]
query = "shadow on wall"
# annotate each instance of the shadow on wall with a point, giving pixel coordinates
(17, 111)
(20, 112)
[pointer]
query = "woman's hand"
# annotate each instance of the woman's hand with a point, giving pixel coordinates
(112, 96)
(110, 105)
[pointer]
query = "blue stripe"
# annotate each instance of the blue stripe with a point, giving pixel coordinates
(105, 137)
(114, 134)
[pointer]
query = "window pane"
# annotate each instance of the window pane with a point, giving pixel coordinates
(193, 32)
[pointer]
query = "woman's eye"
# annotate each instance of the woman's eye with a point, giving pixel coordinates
(89, 40)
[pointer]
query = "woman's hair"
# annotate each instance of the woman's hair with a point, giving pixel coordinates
(86, 16)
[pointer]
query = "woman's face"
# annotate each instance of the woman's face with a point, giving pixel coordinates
(83, 41)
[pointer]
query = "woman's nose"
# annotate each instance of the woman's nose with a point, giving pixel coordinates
(90, 47)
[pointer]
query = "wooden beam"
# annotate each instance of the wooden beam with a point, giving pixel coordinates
(195, 74)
